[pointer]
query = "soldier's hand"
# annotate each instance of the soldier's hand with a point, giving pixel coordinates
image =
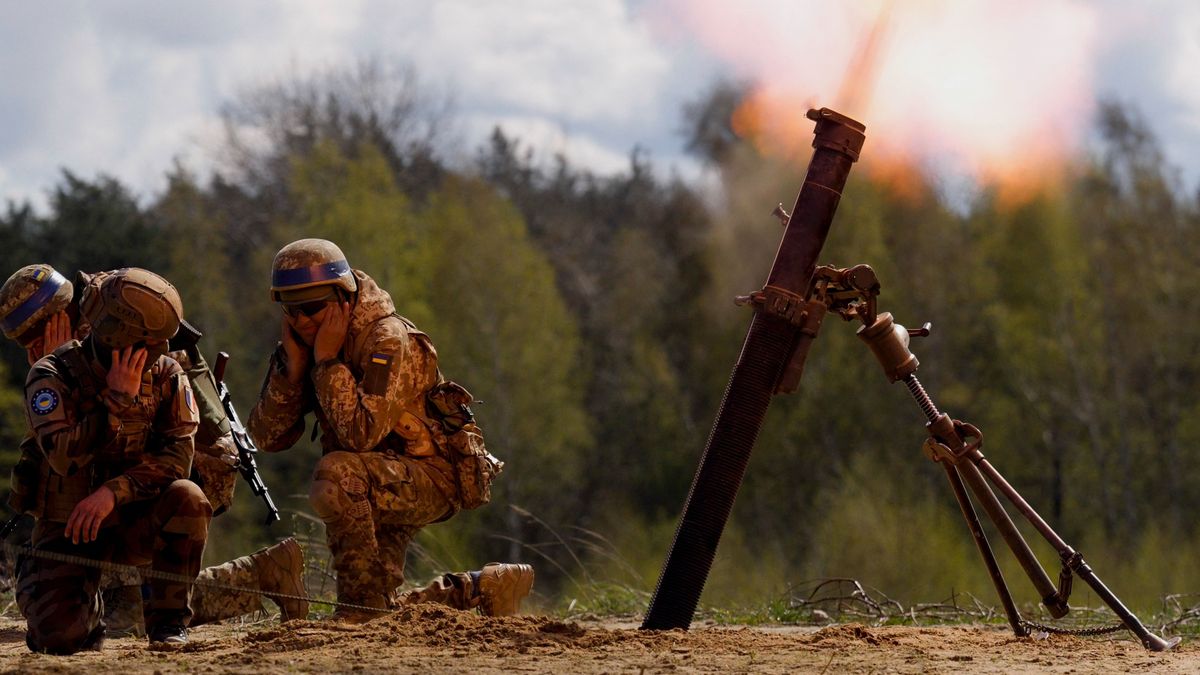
(332, 332)
(125, 374)
(85, 520)
(296, 351)
(56, 333)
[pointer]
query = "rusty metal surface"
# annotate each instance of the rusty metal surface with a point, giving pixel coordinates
(769, 344)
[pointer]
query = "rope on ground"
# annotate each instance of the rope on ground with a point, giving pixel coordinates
(147, 573)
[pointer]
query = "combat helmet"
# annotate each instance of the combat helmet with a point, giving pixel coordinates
(304, 267)
(32, 294)
(131, 305)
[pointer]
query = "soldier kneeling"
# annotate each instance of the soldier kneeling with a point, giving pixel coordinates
(115, 418)
(390, 464)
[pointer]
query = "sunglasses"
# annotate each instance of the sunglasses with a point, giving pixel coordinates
(305, 308)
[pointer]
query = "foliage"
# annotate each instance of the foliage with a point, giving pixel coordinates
(592, 316)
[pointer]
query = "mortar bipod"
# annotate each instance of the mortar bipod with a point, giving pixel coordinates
(956, 446)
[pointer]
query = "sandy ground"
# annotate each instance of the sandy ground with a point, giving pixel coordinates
(428, 638)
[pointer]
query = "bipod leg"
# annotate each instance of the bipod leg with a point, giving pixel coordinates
(1012, 536)
(985, 549)
(1073, 560)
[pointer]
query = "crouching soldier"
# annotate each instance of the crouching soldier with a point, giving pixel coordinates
(387, 468)
(116, 420)
(40, 309)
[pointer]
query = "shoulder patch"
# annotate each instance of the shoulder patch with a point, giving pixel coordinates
(47, 403)
(185, 400)
(43, 402)
(375, 375)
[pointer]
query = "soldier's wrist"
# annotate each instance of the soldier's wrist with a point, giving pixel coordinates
(117, 402)
(328, 361)
(281, 380)
(121, 489)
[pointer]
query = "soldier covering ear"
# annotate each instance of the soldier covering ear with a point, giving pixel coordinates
(365, 373)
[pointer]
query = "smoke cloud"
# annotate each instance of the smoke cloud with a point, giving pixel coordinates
(1000, 91)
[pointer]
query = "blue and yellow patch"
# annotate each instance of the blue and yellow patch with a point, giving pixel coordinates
(375, 379)
(44, 401)
(39, 274)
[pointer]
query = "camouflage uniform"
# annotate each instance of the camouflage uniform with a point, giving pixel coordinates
(214, 468)
(373, 488)
(29, 297)
(382, 476)
(141, 448)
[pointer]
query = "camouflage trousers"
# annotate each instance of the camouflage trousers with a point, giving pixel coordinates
(208, 604)
(372, 505)
(61, 601)
(214, 604)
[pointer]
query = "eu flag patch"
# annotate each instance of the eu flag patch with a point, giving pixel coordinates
(44, 402)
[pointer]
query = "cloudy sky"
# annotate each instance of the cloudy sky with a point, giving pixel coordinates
(125, 87)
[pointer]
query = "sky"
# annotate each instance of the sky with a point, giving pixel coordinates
(127, 87)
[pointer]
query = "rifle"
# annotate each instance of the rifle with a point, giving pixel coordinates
(245, 446)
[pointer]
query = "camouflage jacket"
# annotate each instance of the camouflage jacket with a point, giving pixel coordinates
(215, 453)
(370, 399)
(135, 445)
(214, 426)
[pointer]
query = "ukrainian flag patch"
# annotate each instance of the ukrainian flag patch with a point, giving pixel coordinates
(375, 379)
(39, 275)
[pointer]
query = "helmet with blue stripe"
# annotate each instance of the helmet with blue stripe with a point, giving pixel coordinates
(302, 269)
(31, 295)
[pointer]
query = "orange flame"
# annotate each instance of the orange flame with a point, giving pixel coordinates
(998, 91)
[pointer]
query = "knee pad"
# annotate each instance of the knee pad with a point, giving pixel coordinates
(327, 500)
(339, 488)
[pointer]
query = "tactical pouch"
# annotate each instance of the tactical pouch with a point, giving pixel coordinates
(450, 403)
(474, 467)
(62, 493)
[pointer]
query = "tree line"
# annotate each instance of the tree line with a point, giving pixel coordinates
(593, 317)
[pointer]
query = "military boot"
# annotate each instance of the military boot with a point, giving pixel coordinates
(123, 611)
(502, 586)
(354, 615)
(280, 570)
(169, 633)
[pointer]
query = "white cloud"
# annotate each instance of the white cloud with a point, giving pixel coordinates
(549, 139)
(587, 62)
(123, 87)
(1184, 75)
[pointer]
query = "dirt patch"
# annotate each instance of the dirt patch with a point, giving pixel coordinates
(430, 638)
